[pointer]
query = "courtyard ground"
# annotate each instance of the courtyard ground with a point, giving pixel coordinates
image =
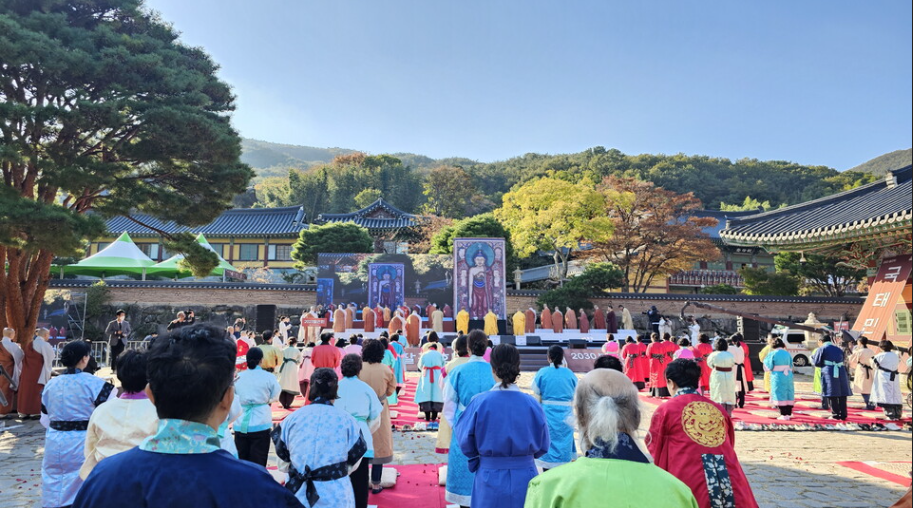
(785, 469)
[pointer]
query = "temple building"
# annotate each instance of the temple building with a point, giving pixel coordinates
(386, 224)
(868, 227)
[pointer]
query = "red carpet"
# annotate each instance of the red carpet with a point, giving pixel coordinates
(871, 470)
(807, 415)
(417, 487)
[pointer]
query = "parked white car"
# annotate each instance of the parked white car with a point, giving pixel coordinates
(795, 344)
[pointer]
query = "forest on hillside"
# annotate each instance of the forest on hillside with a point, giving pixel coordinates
(458, 188)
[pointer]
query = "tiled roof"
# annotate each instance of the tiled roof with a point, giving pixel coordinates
(883, 207)
(250, 222)
(390, 217)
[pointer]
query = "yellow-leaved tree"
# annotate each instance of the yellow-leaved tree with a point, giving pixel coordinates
(554, 215)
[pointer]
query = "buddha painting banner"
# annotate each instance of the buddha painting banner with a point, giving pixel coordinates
(480, 278)
(325, 292)
(386, 285)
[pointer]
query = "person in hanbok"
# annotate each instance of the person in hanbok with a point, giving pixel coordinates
(392, 360)
(835, 383)
(399, 366)
(429, 394)
(10, 368)
(327, 355)
(182, 465)
(125, 421)
(67, 403)
(570, 319)
(741, 376)
(610, 321)
(502, 431)
(288, 374)
(306, 368)
(739, 341)
(318, 469)
(656, 352)
(665, 327)
(491, 324)
(465, 382)
(643, 359)
(722, 377)
(614, 470)
(359, 400)
(285, 328)
(816, 379)
(255, 389)
(518, 321)
(445, 431)
(381, 380)
(863, 372)
(762, 355)
(694, 330)
(226, 438)
(557, 321)
(37, 364)
(583, 322)
(413, 329)
(630, 354)
(368, 319)
(554, 387)
(611, 347)
(684, 350)
(886, 388)
(353, 348)
(702, 350)
(779, 363)
(693, 439)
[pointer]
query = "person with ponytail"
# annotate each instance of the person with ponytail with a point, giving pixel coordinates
(614, 467)
(693, 438)
(554, 386)
(255, 389)
(67, 403)
(502, 432)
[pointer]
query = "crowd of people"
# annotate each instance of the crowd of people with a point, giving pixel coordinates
(193, 413)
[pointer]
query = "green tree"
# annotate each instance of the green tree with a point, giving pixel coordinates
(821, 274)
(479, 226)
(720, 289)
(750, 204)
(337, 237)
(451, 193)
(761, 282)
(576, 293)
(102, 110)
(554, 215)
(366, 197)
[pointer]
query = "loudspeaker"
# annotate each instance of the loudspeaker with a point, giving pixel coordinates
(266, 317)
(533, 340)
(474, 324)
(447, 340)
(749, 328)
(577, 344)
(508, 339)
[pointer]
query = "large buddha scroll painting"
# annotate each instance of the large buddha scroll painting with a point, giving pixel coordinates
(386, 287)
(480, 279)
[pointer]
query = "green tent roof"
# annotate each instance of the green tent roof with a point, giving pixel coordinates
(121, 257)
(171, 266)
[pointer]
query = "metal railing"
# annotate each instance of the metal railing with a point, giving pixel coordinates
(101, 351)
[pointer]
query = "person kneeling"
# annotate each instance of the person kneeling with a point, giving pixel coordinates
(190, 383)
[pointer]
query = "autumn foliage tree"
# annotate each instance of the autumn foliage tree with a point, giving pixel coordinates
(102, 110)
(654, 233)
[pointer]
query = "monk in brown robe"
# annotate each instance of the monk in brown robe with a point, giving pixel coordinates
(611, 321)
(350, 317)
(530, 321)
(388, 314)
(557, 321)
(367, 315)
(546, 318)
(396, 323)
(339, 320)
(570, 319)
(584, 322)
(448, 310)
(598, 319)
(413, 329)
(36, 372)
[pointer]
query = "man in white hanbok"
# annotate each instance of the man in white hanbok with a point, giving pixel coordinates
(886, 388)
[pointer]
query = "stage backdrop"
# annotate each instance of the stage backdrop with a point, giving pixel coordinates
(418, 279)
(480, 284)
(386, 286)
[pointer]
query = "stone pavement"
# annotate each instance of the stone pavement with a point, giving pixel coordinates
(786, 469)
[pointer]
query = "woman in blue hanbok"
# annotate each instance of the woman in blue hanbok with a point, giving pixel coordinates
(359, 400)
(429, 394)
(465, 382)
(502, 431)
(779, 363)
(394, 360)
(318, 468)
(67, 402)
(554, 386)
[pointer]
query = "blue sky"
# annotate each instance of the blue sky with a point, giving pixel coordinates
(815, 82)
